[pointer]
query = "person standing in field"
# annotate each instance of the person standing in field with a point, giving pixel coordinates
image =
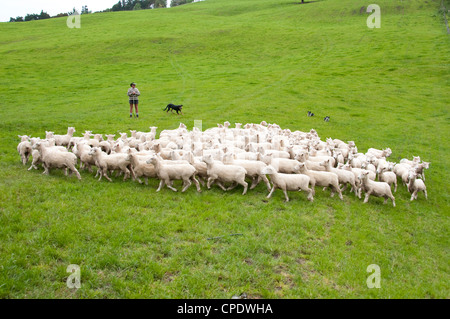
(133, 94)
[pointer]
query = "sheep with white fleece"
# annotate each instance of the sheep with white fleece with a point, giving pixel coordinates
(378, 189)
(288, 182)
(63, 140)
(53, 158)
(106, 163)
(224, 173)
(416, 185)
(324, 179)
(168, 173)
(24, 148)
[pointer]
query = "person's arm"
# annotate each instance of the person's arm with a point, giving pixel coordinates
(129, 92)
(137, 92)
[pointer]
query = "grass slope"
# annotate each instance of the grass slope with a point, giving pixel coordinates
(241, 61)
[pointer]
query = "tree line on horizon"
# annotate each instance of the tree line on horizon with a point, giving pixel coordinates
(121, 5)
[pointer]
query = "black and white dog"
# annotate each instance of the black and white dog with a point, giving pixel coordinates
(172, 107)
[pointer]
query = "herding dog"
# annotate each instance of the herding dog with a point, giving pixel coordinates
(171, 107)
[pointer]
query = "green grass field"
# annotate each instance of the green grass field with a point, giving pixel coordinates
(239, 61)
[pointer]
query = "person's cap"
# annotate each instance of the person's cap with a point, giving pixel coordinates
(132, 83)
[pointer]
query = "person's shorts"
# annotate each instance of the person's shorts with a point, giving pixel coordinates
(134, 102)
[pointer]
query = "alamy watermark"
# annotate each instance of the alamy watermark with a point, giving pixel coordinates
(198, 124)
(74, 280)
(374, 20)
(374, 280)
(74, 20)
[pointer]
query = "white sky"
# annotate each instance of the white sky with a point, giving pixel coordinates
(14, 8)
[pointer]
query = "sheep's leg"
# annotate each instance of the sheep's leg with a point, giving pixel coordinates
(74, 170)
(271, 192)
(395, 185)
(188, 183)
(133, 174)
(105, 174)
(161, 184)
(254, 182)
(366, 198)
(310, 195)
(46, 169)
(338, 190)
(221, 185)
(169, 184)
(126, 173)
(286, 195)
(208, 184)
(197, 184)
(245, 184)
(233, 186)
(65, 171)
(266, 181)
(344, 188)
(425, 193)
(414, 194)
(146, 180)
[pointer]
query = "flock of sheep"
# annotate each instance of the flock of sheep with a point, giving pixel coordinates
(293, 161)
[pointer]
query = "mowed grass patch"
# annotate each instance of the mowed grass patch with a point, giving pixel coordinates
(241, 61)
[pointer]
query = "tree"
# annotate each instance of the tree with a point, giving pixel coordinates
(44, 15)
(32, 16)
(137, 6)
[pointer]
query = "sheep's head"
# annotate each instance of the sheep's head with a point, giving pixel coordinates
(71, 130)
(268, 170)
(363, 175)
(152, 160)
(411, 176)
(207, 159)
(23, 138)
(36, 146)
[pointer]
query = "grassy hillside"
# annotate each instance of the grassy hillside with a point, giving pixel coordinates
(242, 61)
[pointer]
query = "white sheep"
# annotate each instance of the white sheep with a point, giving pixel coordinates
(168, 173)
(86, 159)
(378, 189)
(253, 169)
(345, 177)
(224, 173)
(64, 140)
(24, 148)
(53, 158)
(416, 185)
(106, 163)
(141, 168)
(288, 182)
(385, 174)
(324, 179)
